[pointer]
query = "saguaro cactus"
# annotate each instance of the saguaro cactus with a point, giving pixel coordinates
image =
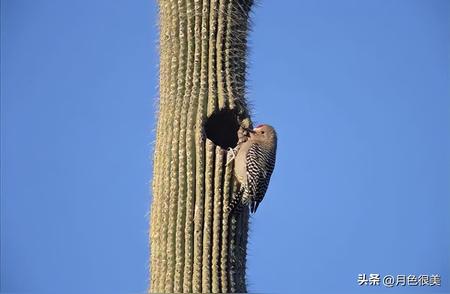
(196, 245)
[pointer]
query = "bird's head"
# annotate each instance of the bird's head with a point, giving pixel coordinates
(265, 133)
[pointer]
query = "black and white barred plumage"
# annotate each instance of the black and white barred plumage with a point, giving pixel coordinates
(256, 158)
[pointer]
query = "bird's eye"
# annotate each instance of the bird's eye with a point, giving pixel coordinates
(262, 132)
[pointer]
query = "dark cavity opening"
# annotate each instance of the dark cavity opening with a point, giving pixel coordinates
(222, 127)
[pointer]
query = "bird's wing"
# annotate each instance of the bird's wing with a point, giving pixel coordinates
(260, 164)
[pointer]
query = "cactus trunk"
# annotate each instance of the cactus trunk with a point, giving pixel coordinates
(196, 246)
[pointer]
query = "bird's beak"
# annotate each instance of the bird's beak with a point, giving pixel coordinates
(249, 130)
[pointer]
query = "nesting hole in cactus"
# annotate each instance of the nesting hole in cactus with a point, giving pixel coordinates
(222, 127)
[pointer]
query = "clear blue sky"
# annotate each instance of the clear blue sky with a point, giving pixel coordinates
(359, 92)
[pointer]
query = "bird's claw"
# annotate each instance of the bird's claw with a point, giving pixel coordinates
(233, 155)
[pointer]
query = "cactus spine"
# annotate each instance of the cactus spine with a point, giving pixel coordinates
(195, 245)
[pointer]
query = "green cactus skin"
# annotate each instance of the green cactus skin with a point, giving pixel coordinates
(196, 246)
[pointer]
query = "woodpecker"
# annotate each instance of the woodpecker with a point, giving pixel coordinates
(254, 164)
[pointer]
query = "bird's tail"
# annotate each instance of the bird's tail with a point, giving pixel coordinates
(254, 206)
